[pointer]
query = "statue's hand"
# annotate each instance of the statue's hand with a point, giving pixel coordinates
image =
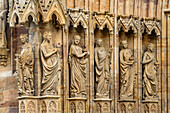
(55, 50)
(88, 53)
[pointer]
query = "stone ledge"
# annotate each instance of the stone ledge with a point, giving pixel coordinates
(149, 101)
(102, 99)
(39, 97)
(126, 100)
(76, 98)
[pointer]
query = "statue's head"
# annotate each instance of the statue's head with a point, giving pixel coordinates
(24, 38)
(151, 47)
(124, 44)
(77, 39)
(47, 36)
(99, 42)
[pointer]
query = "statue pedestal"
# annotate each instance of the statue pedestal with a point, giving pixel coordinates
(126, 106)
(102, 105)
(38, 104)
(28, 104)
(150, 106)
(77, 105)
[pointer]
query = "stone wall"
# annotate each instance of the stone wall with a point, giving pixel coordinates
(141, 24)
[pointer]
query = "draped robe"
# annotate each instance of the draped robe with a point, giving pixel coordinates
(102, 71)
(26, 72)
(78, 70)
(149, 76)
(127, 73)
(51, 69)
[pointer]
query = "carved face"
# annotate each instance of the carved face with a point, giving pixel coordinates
(151, 47)
(77, 40)
(49, 37)
(23, 39)
(99, 43)
(125, 44)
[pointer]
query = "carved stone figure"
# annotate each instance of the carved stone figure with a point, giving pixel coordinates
(25, 62)
(102, 67)
(127, 73)
(78, 60)
(3, 41)
(51, 66)
(150, 81)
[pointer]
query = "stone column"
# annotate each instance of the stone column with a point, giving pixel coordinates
(92, 79)
(158, 41)
(116, 71)
(111, 33)
(66, 70)
(139, 73)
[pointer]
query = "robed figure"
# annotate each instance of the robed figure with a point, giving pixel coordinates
(78, 66)
(150, 82)
(25, 63)
(127, 73)
(102, 70)
(51, 66)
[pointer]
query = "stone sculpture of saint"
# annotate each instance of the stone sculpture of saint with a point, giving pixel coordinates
(3, 11)
(51, 65)
(78, 59)
(127, 73)
(102, 67)
(25, 64)
(150, 81)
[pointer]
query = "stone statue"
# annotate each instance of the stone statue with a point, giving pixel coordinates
(150, 81)
(3, 38)
(102, 67)
(51, 66)
(25, 62)
(78, 59)
(3, 41)
(127, 73)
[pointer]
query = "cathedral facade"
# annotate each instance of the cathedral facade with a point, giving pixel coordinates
(84, 56)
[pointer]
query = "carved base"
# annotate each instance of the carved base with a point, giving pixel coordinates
(126, 106)
(102, 105)
(35, 104)
(3, 56)
(150, 106)
(77, 105)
